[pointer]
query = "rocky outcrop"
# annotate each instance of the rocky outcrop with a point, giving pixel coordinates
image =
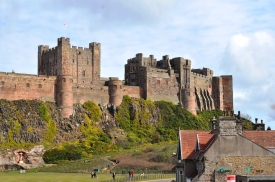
(22, 159)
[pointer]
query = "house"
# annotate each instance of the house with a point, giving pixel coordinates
(224, 152)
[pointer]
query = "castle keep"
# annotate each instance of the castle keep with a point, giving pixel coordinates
(69, 74)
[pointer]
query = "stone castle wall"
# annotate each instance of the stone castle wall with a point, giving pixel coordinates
(14, 86)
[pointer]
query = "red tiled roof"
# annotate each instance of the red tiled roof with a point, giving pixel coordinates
(204, 140)
(263, 138)
(188, 140)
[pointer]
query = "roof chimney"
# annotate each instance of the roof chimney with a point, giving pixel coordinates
(256, 120)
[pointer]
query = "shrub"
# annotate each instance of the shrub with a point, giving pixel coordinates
(93, 110)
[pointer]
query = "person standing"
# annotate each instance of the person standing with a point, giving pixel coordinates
(132, 173)
(114, 175)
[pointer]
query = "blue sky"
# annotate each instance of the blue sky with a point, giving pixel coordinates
(234, 37)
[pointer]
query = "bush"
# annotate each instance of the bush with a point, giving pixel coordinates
(71, 152)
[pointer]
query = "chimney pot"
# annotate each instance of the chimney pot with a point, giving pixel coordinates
(262, 121)
(256, 120)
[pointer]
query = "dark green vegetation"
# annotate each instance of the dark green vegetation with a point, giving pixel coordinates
(136, 122)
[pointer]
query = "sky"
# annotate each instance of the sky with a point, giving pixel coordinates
(231, 37)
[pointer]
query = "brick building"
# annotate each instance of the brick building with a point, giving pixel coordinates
(225, 151)
(69, 74)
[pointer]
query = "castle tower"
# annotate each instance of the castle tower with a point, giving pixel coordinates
(64, 79)
(187, 93)
(41, 49)
(96, 56)
(115, 91)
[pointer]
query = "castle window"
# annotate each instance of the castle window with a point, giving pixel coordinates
(64, 79)
(158, 81)
(27, 85)
(83, 73)
(87, 60)
(39, 85)
(2, 84)
(73, 58)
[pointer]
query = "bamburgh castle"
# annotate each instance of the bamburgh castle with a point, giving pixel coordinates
(69, 74)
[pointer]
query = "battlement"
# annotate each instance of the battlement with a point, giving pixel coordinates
(94, 45)
(43, 48)
(49, 49)
(63, 40)
(204, 71)
(198, 75)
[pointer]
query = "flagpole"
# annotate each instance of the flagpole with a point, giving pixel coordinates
(66, 30)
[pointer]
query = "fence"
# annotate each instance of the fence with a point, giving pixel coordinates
(144, 177)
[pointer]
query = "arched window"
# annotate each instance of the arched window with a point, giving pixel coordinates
(83, 73)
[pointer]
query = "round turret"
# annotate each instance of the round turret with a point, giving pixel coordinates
(65, 95)
(189, 100)
(115, 91)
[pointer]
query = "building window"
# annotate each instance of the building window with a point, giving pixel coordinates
(73, 58)
(64, 79)
(83, 73)
(27, 85)
(2, 84)
(87, 60)
(39, 85)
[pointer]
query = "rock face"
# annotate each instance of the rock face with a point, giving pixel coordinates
(22, 124)
(22, 159)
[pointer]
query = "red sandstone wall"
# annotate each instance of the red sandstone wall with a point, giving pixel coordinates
(227, 92)
(161, 86)
(217, 92)
(97, 95)
(133, 91)
(23, 86)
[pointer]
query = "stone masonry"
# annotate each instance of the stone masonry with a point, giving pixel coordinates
(69, 74)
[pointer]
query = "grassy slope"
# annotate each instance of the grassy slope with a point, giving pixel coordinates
(149, 159)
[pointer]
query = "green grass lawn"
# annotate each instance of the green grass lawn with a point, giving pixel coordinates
(52, 177)
(15, 176)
